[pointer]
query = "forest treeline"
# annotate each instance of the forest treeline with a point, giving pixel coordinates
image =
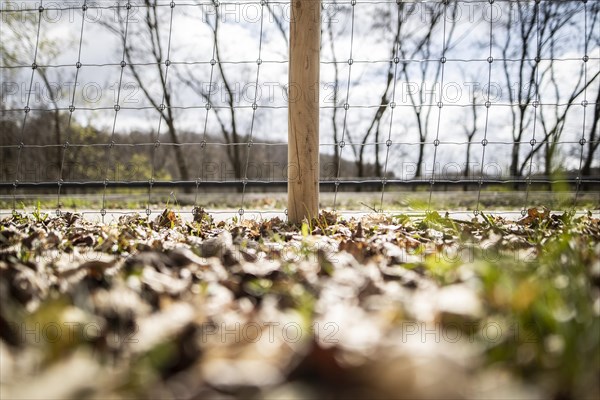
(94, 155)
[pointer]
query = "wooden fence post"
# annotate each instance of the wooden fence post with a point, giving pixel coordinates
(303, 110)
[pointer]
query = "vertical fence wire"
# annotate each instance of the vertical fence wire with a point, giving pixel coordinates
(66, 145)
(392, 105)
(440, 104)
(342, 142)
(117, 107)
(208, 107)
(27, 108)
(584, 103)
(536, 104)
(254, 108)
(162, 107)
(484, 141)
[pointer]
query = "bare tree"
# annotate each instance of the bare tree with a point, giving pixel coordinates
(229, 130)
(147, 40)
(340, 87)
(593, 139)
(470, 131)
(19, 45)
(553, 115)
(334, 86)
(423, 49)
(553, 127)
(526, 34)
(390, 76)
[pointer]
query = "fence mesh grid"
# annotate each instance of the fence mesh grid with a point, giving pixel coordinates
(191, 76)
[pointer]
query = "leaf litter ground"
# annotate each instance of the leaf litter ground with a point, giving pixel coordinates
(377, 307)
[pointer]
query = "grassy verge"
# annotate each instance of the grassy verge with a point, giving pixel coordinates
(364, 201)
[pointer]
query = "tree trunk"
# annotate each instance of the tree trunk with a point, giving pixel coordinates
(57, 140)
(233, 153)
(419, 170)
(360, 168)
(514, 163)
(592, 147)
(548, 158)
(378, 171)
(467, 161)
(56, 114)
(179, 158)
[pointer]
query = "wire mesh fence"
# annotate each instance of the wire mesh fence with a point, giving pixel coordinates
(105, 97)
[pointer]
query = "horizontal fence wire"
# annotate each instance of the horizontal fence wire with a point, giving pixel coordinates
(389, 118)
